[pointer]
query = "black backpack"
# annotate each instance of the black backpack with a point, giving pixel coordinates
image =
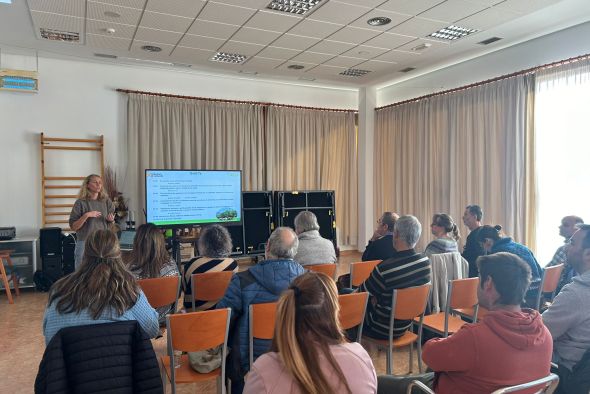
(42, 281)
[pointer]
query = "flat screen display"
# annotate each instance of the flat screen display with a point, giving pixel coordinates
(181, 197)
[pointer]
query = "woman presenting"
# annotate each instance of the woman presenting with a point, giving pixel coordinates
(92, 211)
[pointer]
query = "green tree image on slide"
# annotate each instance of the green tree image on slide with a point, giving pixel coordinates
(226, 214)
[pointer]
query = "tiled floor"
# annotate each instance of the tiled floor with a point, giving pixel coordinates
(22, 343)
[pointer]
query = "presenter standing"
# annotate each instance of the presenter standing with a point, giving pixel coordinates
(92, 211)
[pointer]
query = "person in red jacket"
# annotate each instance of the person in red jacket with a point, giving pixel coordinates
(510, 346)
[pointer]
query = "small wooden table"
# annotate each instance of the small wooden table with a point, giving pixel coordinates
(5, 256)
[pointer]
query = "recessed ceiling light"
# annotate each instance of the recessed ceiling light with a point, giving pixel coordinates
(299, 7)
(112, 14)
(151, 48)
(224, 57)
(296, 67)
(452, 33)
(354, 72)
(110, 31)
(57, 35)
(379, 21)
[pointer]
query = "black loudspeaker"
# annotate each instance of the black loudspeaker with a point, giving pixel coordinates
(237, 239)
(50, 241)
(258, 220)
(68, 257)
(52, 266)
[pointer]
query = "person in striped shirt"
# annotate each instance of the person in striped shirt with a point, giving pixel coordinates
(406, 268)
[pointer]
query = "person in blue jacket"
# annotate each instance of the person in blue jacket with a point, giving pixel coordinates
(492, 242)
(262, 283)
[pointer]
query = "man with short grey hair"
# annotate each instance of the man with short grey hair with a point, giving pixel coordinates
(262, 283)
(406, 268)
(313, 249)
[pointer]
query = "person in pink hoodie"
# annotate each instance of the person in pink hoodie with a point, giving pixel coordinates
(309, 353)
(510, 346)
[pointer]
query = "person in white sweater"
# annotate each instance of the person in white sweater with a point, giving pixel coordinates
(313, 249)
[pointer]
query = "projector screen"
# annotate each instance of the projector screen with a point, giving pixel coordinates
(181, 197)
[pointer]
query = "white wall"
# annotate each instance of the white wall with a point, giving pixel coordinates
(547, 49)
(77, 99)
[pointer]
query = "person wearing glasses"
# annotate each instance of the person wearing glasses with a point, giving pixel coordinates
(380, 246)
(566, 230)
(93, 210)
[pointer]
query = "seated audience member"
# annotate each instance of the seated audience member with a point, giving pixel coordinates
(566, 230)
(510, 346)
(214, 246)
(472, 249)
(445, 230)
(313, 249)
(493, 242)
(262, 283)
(102, 290)
(406, 268)
(568, 317)
(309, 353)
(380, 246)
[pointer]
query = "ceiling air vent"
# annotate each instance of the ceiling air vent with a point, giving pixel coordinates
(354, 72)
(299, 7)
(407, 69)
(57, 35)
(234, 58)
(489, 40)
(105, 55)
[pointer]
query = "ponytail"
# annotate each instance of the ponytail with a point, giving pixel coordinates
(456, 234)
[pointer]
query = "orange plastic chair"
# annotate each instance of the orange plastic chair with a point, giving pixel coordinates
(161, 291)
(191, 332)
(262, 320)
(209, 286)
(406, 304)
(328, 269)
(462, 293)
(352, 311)
(549, 283)
(360, 271)
(5, 256)
(469, 312)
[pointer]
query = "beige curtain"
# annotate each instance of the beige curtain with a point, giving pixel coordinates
(176, 133)
(315, 150)
(469, 147)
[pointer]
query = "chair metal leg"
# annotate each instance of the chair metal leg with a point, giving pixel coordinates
(389, 360)
(420, 349)
(411, 358)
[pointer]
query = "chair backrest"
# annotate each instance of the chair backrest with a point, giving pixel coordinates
(328, 269)
(352, 311)
(262, 322)
(548, 384)
(410, 302)
(462, 293)
(161, 291)
(360, 271)
(549, 282)
(209, 286)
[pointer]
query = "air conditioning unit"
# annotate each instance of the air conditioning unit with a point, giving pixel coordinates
(19, 81)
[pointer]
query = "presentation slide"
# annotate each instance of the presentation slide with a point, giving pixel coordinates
(177, 197)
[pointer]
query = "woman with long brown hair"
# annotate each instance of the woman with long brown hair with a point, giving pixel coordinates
(309, 353)
(102, 290)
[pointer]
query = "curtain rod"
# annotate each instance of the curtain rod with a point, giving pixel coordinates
(234, 101)
(501, 77)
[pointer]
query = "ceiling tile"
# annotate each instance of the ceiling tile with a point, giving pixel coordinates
(326, 70)
(354, 35)
(306, 66)
(364, 3)
(453, 10)
(278, 53)
(157, 36)
(257, 4)
(138, 4)
(396, 56)
(365, 52)
(127, 16)
(258, 63)
(433, 45)
(187, 8)
(255, 36)
(241, 48)
(525, 6)
(418, 27)
(396, 19)
(107, 42)
(62, 7)
(273, 21)
(336, 12)
(154, 20)
(201, 42)
(162, 55)
(293, 41)
(410, 7)
(58, 22)
(489, 18)
(332, 47)
(344, 61)
(375, 66)
(315, 29)
(233, 15)
(389, 40)
(191, 55)
(212, 29)
(312, 57)
(99, 27)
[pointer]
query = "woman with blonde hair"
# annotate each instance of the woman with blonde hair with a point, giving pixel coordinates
(102, 290)
(445, 230)
(92, 211)
(309, 353)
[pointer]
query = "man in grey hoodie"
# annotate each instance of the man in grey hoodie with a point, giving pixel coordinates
(568, 318)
